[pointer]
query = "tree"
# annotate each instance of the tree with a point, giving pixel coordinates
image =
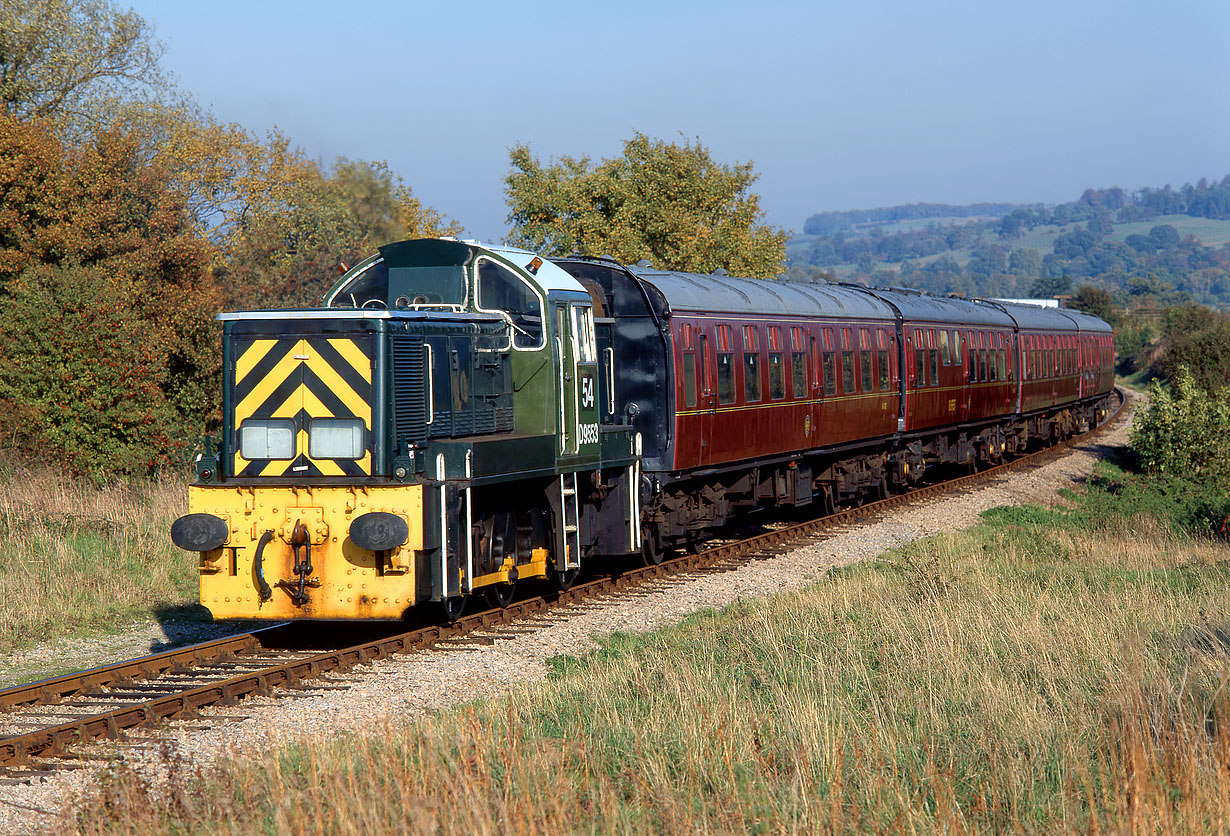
(986, 260)
(109, 355)
(1163, 236)
(1025, 262)
(61, 58)
(1198, 339)
(280, 222)
(1096, 301)
(1048, 287)
(668, 202)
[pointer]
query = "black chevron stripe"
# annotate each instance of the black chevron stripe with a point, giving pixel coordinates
(279, 395)
(343, 368)
(262, 368)
(351, 468)
(254, 467)
(328, 399)
(301, 461)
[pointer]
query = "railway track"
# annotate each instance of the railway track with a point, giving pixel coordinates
(42, 722)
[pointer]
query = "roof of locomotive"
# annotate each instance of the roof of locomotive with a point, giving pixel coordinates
(418, 252)
(717, 293)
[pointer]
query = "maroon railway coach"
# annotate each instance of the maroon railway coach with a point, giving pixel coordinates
(747, 393)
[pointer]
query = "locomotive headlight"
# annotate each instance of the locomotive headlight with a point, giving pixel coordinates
(335, 438)
(267, 439)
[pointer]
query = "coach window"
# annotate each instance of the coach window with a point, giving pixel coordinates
(798, 364)
(983, 374)
(725, 366)
(503, 291)
(864, 360)
(882, 359)
(847, 363)
(689, 365)
(920, 360)
(971, 357)
(830, 364)
(751, 364)
(945, 355)
(777, 370)
(1003, 357)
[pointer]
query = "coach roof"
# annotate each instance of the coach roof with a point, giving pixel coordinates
(716, 293)
(920, 307)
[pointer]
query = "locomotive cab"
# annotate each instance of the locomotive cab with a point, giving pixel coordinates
(418, 439)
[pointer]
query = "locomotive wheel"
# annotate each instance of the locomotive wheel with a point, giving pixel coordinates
(453, 607)
(651, 549)
(501, 594)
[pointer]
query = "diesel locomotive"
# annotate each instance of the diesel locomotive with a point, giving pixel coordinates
(461, 416)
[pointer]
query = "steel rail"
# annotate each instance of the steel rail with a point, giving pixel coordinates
(55, 740)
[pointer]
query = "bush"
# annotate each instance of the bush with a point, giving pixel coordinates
(85, 374)
(1184, 431)
(1198, 338)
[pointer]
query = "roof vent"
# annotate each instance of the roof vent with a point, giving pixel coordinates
(644, 262)
(721, 271)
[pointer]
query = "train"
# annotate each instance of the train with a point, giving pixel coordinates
(458, 417)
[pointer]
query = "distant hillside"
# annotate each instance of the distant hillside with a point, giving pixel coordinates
(826, 223)
(1152, 246)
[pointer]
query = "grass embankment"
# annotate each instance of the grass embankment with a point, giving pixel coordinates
(1052, 670)
(76, 558)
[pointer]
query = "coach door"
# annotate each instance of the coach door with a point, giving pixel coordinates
(706, 398)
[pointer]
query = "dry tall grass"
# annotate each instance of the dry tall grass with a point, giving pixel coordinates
(75, 556)
(1012, 679)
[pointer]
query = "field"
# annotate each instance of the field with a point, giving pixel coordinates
(1053, 670)
(76, 558)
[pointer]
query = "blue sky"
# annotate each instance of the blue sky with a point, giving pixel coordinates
(840, 105)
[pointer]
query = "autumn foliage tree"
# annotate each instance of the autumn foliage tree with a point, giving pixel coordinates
(669, 202)
(108, 350)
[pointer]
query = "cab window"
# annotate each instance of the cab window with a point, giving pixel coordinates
(500, 289)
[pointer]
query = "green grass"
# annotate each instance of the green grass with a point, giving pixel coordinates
(1211, 232)
(77, 559)
(1051, 670)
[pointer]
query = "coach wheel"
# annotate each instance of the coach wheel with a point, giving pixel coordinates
(501, 594)
(971, 462)
(882, 491)
(453, 607)
(826, 499)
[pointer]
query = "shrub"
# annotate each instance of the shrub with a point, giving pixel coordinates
(1184, 431)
